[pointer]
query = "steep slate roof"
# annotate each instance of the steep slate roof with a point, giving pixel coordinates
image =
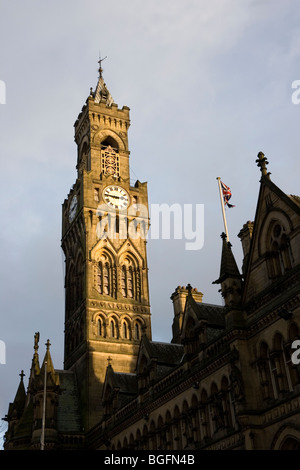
(165, 353)
(128, 387)
(167, 356)
(214, 314)
(126, 382)
(20, 398)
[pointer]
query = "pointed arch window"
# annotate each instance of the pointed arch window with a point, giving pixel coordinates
(227, 403)
(106, 283)
(279, 367)
(130, 283)
(279, 256)
(126, 333)
(137, 330)
(100, 327)
(100, 278)
(110, 163)
(105, 277)
(204, 416)
(113, 328)
(264, 369)
(124, 281)
(70, 289)
(130, 280)
(84, 158)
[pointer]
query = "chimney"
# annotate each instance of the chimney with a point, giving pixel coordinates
(179, 298)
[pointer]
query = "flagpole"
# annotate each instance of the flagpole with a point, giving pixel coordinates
(223, 208)
(44, 409)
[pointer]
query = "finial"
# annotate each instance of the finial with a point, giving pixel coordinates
(224, 238)
(48, 344)
(262, 162)
(36, 342)
(100, 65)
(109, 359)
(189, 288)
(22, 375)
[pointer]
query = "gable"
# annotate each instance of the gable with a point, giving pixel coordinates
(275, 243)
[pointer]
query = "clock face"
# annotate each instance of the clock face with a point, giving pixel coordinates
(73, 208)
(116, 197)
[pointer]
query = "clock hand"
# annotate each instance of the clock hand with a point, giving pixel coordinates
(116, 197)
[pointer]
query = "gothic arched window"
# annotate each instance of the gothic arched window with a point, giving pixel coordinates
(227, 403)
(279, 255)
(100, 327)
(125, 332)
(279, 367)
(106, 283)
(105, 275)
(100, 278)
(124, 281)
(70, 290)
(137, 330)
(204, 415)
(84, 160)
(130, 287)
(130, 278)
(264, 369)
(110, 164)
(113, 328)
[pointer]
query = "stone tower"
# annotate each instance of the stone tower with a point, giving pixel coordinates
(104, 226)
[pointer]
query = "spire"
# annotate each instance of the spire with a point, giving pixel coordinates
(228, 267)
(20, 397)
(50, 368)
(262, 162)
(101, 93)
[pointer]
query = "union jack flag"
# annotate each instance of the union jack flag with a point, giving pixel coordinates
(226, 194)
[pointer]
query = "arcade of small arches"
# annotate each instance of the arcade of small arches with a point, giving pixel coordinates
(124, 276)
(114, 327)
(194, 422)
(278, 375)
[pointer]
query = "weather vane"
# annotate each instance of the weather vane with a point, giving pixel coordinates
(100, 64)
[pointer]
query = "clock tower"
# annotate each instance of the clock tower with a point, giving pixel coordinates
(104, 226)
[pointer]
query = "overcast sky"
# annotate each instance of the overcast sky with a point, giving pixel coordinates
(209, 85)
